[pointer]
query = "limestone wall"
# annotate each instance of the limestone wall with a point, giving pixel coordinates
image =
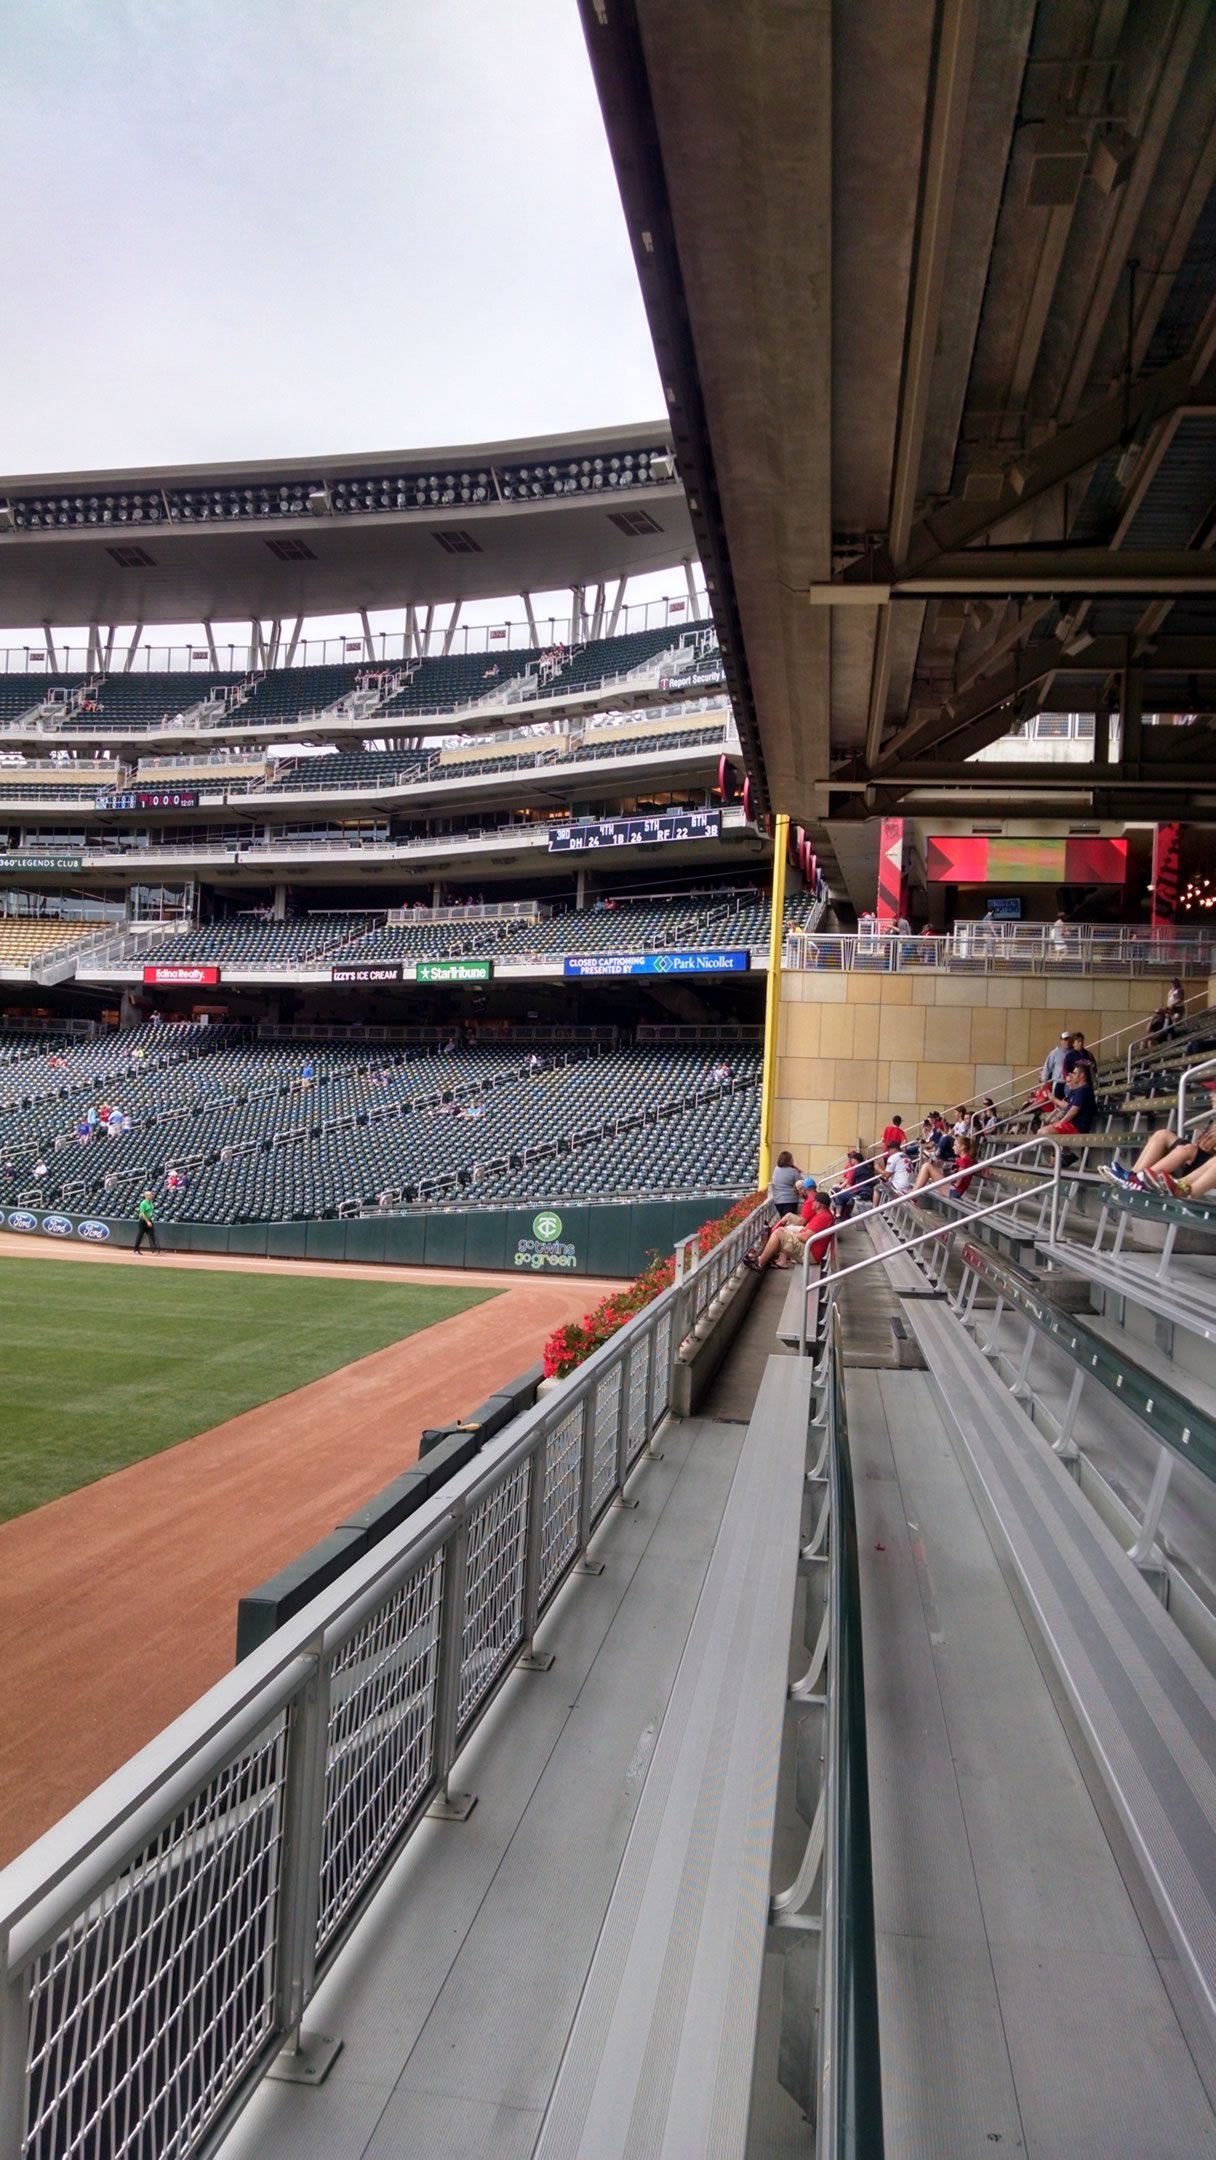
(852, 1048)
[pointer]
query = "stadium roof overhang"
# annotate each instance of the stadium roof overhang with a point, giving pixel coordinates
(323, 562)
(940, 443)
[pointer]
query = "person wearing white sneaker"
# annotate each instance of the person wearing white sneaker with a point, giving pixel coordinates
(1167, 1155)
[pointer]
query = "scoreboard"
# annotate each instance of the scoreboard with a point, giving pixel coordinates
(150, 799)
(635, 831)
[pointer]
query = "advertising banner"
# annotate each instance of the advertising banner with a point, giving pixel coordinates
(181, 974)
(657, 963)
(453, 971)
(377, 971)
(634, 831)
(546, 1248)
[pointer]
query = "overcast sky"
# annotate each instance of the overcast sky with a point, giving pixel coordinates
(247, 228)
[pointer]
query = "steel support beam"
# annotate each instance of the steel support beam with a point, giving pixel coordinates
(1048, 572)
(959, 22)
(1187, 381)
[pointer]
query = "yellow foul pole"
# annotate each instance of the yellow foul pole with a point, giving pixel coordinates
(772, 1003)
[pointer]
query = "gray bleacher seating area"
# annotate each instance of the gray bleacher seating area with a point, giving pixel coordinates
(260, 1140)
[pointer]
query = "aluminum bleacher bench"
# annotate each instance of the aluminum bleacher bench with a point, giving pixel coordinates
(789, 1327)
(1144, 1703)
(659, 2058)
(901, 1270)
(1179, 1288)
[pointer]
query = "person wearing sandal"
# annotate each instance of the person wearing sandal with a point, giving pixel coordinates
(786, 1239)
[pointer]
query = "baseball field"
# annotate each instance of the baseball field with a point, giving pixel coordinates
(102, 1367)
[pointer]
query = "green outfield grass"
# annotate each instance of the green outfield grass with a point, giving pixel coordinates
(101, 1366)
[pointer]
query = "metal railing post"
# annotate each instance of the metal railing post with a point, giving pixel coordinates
(1142, 1548)
(450, 1806)
(622, 1418)
(529, 1658)
(307, 2057)
(14, 2056)
(652, 1424)
(586, 1465)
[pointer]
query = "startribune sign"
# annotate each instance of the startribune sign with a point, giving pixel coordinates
(453, 971)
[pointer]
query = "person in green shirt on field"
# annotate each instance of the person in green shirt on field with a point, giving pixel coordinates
(145, 1224)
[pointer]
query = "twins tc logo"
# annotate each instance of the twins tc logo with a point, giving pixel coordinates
(546, 1227)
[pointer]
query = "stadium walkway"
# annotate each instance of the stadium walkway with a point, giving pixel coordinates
(118, 1602)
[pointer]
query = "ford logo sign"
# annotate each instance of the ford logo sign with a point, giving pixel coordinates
(57, 1226)
(96, 1232)
(22, 1221)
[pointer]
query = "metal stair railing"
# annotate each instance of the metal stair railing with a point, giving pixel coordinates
(831, 2060)
(1049, 1188)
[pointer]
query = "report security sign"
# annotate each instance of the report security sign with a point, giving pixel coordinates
(658, 963)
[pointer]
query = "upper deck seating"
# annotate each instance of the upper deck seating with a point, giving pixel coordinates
(603, 658)
(457, 679)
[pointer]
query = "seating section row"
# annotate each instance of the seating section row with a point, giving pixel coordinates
(734, 920)
(143, 699)
(290, 1131)
(81, 782)
(23, 941)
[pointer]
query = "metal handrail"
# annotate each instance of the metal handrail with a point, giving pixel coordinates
(990, 1162)
(849, 2124)
(1092, 948)
(1192, 1072)
(249, 1836)
(1146, 1042)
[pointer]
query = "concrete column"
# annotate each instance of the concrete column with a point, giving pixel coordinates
(280, 903)
(580, 888)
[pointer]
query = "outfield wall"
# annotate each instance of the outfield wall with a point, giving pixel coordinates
(854, 1047)
(592, 1238)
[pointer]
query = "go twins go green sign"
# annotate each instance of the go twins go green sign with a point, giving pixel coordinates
(453, 971)
(546, 1247)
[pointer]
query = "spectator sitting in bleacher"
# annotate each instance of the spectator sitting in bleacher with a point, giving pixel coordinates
(1170, 1163)
(938, 1158)
(897, 1174)
(1175, 1003)
(784, 1244)
(964, 1160)
(865, 1181)
(984, 1121)
(1077, 1111)
(893, 1134)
